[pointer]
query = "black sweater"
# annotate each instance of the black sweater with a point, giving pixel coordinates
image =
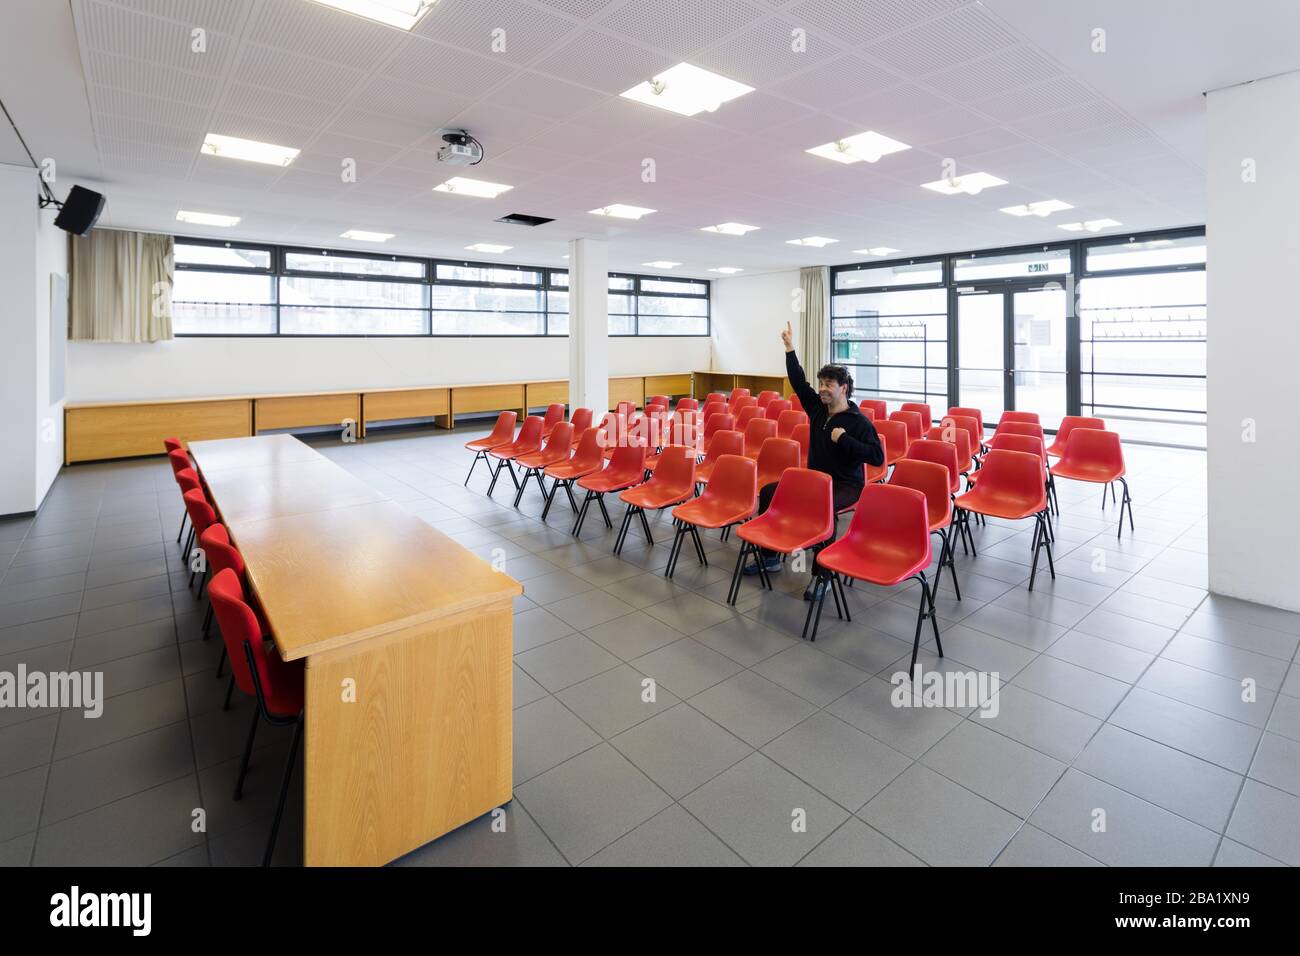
(842, 460)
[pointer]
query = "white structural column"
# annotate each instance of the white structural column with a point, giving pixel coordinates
(589, 325)
(1254, 341)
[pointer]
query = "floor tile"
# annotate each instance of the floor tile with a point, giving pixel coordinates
(752, 707)
(612, 702)
(670, 838)
(841, 761)
(681, 749)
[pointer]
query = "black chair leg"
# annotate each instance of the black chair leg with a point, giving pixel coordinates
(184, 515)
(221, 664)
(284, 793)
(604, 512)
(207, 622)
(645, 526)
(496, 473)
(477, 456)
(815, 608)
(1127, 502)
(699, 545)
(921, 614)
(248, 752)
(622, 529)
(550, 499)
(674, 550)
(952, 562)
(230, 689)
(844, 597)
(934, 612)
(735, 575)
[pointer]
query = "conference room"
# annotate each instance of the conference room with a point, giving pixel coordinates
(628, 433)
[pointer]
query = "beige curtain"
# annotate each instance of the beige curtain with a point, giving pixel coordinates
(814, 322)
(121, 287)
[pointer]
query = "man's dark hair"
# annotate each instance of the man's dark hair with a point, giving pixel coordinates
(839, 375)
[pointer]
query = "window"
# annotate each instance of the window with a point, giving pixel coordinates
(1019, 265)
(227, 288)
(1147, 254)
(895, 344)
(894, 274)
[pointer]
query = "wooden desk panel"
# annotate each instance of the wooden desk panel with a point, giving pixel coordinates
(489, 398)
(389, 405)
(95, 432)
(302, 411)
(540, 394)
(670, 385)
(626, 390)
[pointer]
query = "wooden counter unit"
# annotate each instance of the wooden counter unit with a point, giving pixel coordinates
(706, 382)
(303, 411)
(125, 429)
(398, 403)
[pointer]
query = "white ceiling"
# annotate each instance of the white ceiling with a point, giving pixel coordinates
(112, 90)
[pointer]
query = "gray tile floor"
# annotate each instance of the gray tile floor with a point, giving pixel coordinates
(1121, 738)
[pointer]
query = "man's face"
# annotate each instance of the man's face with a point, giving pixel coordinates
(830, 392)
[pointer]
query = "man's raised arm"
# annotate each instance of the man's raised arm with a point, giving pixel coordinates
(807, 395)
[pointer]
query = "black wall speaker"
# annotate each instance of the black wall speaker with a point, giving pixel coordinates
(80, 210)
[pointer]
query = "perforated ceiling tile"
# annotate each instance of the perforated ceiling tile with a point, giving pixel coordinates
(276, 106)
(497, 128)
(323, 33)
(1013, 67)
(515, 32)
(279, 70)
(367, 124)
(544, 96)
(1074, 119)
(680, 27)
(137, 76)
(768, 52)
(981, 141)
(409, 101)
(757, 112)
(114, 102)
(424, 62)
(153, 134)
(603, 62)
(863, 22)
(581, 9)
(133, 154)
(210, 169)
(889, 106)
(1116, 134)
(348, 147)
(1058, 93)
(146, 38)
(223, 16)
(256, 128)
(963, 35)
(842, 79)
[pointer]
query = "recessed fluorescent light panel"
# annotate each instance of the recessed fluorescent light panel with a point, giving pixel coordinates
(687, 90)
(487, 247)
(864, 147)
(729, 228)
(621, 211)
(661, 264)
(727, 270)
(403, 14)
(1044, 207)
(478, 188)
(817, 241)
(1090, 225)
(232, 147)
(206, 218)
(971, 183)
(876, 251)
(365, 236)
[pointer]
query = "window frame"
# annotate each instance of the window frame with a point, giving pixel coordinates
(279, 269)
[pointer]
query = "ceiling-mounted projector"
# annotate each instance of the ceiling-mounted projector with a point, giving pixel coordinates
(462, 149)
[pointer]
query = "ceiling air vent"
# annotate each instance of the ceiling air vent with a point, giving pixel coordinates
(523, 219)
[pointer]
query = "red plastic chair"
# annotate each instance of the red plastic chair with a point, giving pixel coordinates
(970, 426)
(588, 459)
(756, 432)
(202, 515)
(503, 432)
(786, 423)
(879, 409)
(801, 514)
(765, 397)
(776, 408)
(959, 438)
(1032, 429)
(869, 413)
(1010, 441)
(663, 400)
(874, 473)
(957, 411)
(625, 409)
(673, 482)
(687, 405)
(716, 397)
(803, 435)
(277, 685)
(722, 443)
(529, 440)
(747, 414)
(739, 393)
(913, 422)
(797, 405)
(921, 409)
(718, 423)
(558, 448)
(776, 455)
(1011, 487)
(932, 480)
(221, 554)
(888, 542)
(678, 429)
(738, 402)
(180, 461)
(554, 415)
(713, 408)
(1097, 456)
(172, 444)
(1068, 424)
(580, 421)
(730, 498)
(940, 453)
(1014, 416)
(626, 468)
(894, 434)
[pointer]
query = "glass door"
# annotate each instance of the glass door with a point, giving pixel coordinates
(1011, 350)
(982, 352)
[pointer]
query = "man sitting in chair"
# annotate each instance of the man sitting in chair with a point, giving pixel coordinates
(840, 438)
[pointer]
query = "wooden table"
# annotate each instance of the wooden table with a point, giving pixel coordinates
(407, 639)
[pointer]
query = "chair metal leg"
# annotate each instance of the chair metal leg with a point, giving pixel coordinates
(1041, 542)
(496, 473)
(230, 689)
(604, 513)
(284, 792)
(645, 526)
(221, 664)
(674, 550)
(248, 752)
(568, 490)
(934, 612)
(952, 562)
(622, 528)
(814, 616)
(477, 456)
(550, 499)
(735, 575)
(582, 513)
(1127, 501)
(921, 614)
(207, 622)
(184, 515)
(699, 545)
(519, 491)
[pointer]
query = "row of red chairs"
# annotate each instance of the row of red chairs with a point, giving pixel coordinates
(256, 668)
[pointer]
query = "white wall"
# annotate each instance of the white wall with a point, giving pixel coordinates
(31, 436)
(186, 367)
(1254, 342)
(749, 313)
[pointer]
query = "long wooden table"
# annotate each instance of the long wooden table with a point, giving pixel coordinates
(407, 640)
